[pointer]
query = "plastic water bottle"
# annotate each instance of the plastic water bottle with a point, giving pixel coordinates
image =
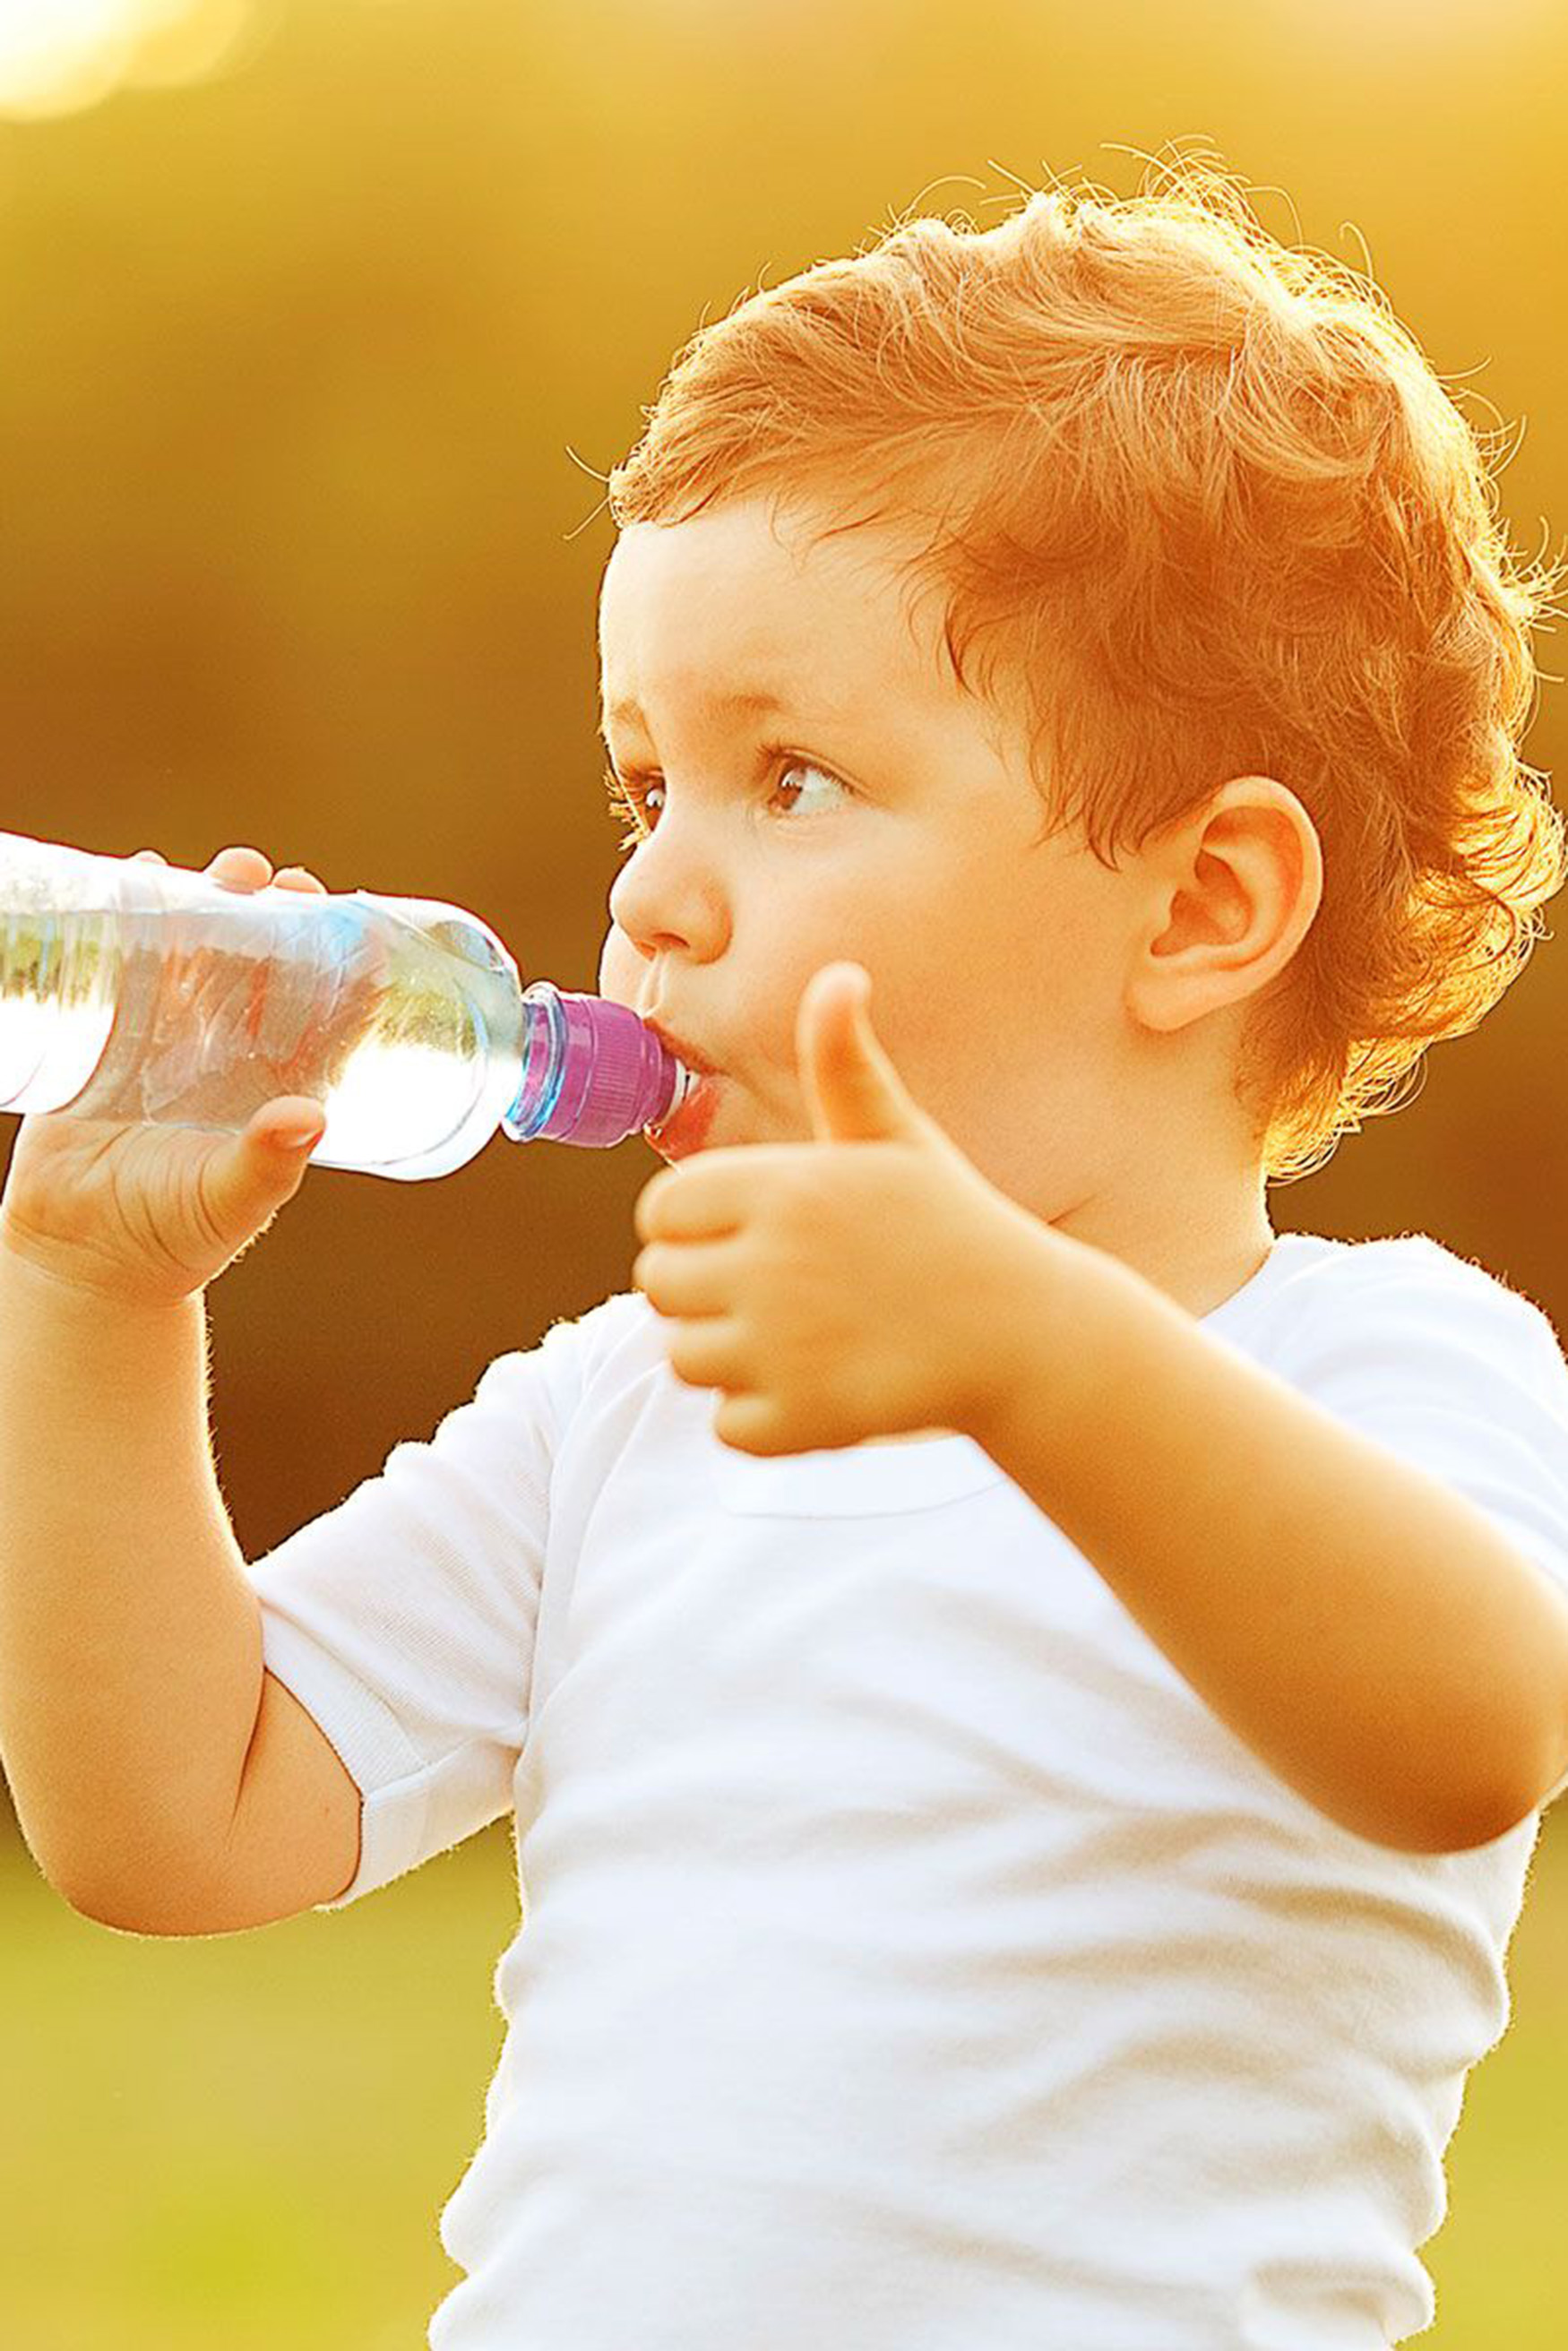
(135, 992)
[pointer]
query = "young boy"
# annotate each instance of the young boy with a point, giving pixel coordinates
(1047, 1890)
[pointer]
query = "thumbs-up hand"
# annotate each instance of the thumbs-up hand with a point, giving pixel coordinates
(855, 1286)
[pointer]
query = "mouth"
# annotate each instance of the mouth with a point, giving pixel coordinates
(684, 1126)
(683, 1052)
(689, 1122)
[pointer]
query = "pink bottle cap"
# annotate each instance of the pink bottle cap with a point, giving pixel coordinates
(617, 1076)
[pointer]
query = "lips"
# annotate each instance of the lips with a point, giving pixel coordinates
(678, 1046)
(685, 1127)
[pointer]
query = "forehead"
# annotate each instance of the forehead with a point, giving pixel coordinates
(741, 603)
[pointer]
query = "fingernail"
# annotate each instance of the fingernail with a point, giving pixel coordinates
(296, 1137)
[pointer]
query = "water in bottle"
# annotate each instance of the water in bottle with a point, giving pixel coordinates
(132, 991)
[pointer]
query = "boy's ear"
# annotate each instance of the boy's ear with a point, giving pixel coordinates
(1229, 892)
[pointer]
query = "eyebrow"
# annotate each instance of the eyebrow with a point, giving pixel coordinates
(755, 702)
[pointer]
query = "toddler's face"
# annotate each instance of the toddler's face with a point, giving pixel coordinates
(875, 811)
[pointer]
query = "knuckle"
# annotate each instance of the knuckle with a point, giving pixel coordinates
(645, 1215)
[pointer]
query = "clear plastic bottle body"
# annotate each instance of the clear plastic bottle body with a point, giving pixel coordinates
(133, 991)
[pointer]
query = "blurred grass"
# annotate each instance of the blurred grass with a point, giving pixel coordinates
(242, 2143)
(246, 2141)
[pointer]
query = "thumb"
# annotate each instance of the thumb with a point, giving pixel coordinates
(851, 1088)
(248, 1179)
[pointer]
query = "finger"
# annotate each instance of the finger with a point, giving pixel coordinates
(236, 868)
(283, 1117)
(252, 1173)
(712, 1194)
(240, 868)
(708, 1355)
(686, 1280)
(287, 877)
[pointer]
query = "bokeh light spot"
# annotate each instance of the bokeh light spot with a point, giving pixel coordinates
(58, 56)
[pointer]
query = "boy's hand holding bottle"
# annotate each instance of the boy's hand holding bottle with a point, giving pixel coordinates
(148, 1213)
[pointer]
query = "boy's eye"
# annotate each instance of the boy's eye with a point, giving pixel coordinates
(630, 797)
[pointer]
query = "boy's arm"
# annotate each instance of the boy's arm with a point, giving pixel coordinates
(1367, 1632)
(163, 1781)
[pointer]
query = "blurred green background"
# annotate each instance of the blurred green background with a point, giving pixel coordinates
(322, 319)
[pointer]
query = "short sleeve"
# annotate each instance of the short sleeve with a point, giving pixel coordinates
(403, 1620)
(1435, 1358)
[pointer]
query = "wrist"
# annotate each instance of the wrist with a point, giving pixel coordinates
(67, 1284)
(1050, 1346)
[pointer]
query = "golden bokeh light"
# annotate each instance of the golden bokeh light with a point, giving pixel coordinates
(59, 56)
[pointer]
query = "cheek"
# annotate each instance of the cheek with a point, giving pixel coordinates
(771, 1014)
(618, 977)
(764, 1009)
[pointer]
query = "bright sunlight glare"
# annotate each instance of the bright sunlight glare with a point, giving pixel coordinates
(59, 56)
(1412, 30)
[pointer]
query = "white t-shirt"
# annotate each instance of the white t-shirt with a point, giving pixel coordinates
(911, 1961)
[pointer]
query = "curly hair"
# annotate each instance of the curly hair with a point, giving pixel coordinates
(1199, 507)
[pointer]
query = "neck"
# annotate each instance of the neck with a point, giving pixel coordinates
(1200, 1252)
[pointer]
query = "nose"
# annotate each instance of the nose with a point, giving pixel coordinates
(664, 899)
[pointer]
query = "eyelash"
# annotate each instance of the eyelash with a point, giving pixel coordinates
(628, 801)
